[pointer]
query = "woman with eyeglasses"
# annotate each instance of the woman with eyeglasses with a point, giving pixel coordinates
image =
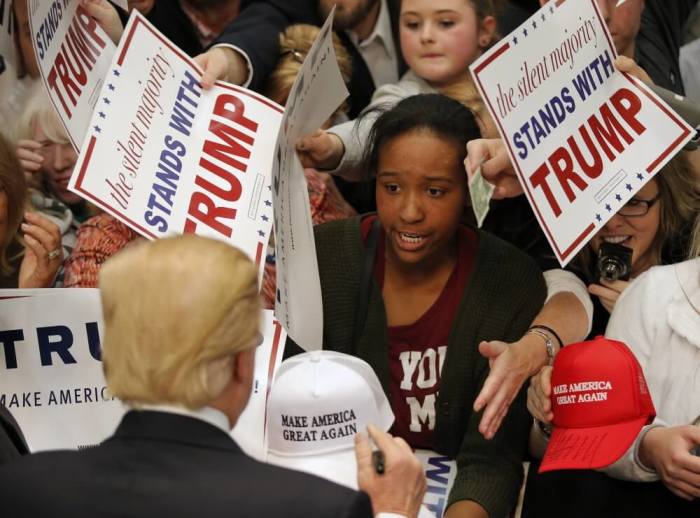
(655, 224)
(658, 318)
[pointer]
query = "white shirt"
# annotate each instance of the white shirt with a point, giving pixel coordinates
(378, 49)
(656, 316)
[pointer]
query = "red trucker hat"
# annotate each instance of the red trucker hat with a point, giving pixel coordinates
(600, 402)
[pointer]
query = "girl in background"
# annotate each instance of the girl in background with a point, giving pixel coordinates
(439, 40)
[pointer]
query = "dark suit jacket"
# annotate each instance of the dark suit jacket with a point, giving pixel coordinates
(256, 31)
(160, 464)
(12, 443)
(171, 20)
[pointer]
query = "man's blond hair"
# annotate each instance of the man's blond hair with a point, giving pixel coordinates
(175, 311)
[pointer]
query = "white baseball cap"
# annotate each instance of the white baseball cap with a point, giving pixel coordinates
(318, 401)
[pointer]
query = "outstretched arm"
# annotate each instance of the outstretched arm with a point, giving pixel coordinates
(567, 312)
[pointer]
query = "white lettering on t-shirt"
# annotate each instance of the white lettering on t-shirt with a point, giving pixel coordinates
(420, 414)
(422, 368)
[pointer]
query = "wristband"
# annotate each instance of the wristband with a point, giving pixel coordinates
(547, 343)
(550, 331)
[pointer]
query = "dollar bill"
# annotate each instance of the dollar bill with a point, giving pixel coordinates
(480, 192)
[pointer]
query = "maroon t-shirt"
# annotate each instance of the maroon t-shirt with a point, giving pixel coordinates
(417, 351)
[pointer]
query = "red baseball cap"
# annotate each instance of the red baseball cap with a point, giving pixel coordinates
(600, 402)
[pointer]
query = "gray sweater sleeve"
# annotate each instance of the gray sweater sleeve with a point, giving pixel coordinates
(355, 134)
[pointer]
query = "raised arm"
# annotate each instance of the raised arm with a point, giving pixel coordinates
(252, 41)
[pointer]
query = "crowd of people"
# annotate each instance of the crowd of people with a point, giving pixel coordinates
(460, 325)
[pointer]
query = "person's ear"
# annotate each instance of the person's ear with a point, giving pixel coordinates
(487, 31)
(243, 366)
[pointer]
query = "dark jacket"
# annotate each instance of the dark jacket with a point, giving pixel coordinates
(256, 31)
(161, 464)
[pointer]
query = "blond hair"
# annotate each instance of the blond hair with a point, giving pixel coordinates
(679, 197)
(40, 113)
(295, 43)
(175, 312)
(466, 93)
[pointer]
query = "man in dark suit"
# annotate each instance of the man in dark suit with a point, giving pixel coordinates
(181, 325)
(248, 49)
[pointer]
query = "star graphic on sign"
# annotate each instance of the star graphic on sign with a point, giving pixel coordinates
(98, 129)
(525, 32)
(628, 187)
(110, 86)
(264, 218)
(261, 233)
(115, 72)
(551, 10)
(543, 17)
(618, 197)
(515, 40)
(268, 203)
(269, 187)
(102, 115)
(640, 176)
(107, 101)
(608, 207)
(597, 216)
(534, 24)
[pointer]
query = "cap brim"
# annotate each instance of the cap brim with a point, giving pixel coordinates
(589, 448)
(339, 467)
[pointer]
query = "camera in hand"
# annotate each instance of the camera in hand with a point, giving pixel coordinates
(614, 262)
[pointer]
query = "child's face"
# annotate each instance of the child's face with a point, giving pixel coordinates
(421, 194)
(441, 38)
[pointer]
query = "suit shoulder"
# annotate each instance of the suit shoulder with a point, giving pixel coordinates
(310, 495)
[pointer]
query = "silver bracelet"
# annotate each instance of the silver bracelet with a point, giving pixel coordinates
(548, 343)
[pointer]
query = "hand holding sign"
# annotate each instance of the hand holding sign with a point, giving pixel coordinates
(480, 192)
(496, 167)
(320, 150)
(223, 64)
(106, 17)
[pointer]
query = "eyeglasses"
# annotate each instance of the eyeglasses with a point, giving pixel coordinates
(637, 207)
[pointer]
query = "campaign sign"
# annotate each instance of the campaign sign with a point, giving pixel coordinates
(51, 370)
(583, 137)
(73, 54)
(249, 431)
(317, 92)
(166, 157)
(440, 473)
(8, 51)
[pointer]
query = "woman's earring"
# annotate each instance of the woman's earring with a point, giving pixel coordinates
(483, 42)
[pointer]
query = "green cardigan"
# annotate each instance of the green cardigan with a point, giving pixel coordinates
(504, 293)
